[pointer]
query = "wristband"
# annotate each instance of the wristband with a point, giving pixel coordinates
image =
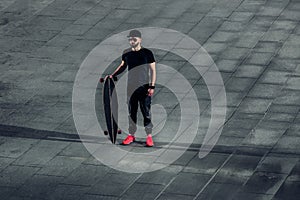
(151, 87)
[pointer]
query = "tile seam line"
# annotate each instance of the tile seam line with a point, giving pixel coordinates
(131, 184)
(211, 178)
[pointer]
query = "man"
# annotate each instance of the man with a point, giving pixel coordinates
(141, 84)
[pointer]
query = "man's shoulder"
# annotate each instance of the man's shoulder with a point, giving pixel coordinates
(147, 50)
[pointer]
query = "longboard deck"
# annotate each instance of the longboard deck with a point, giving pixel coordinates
(110, 103)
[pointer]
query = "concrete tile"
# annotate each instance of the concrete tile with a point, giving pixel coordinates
(186, 157)
(284, 25)
(86, 175)
(227, 65)
(15, 147)
(263, 137)
(283, 117)
(227, 144)
(275, 36)
(222, 36)
(187, 183)
(41, 153)
(142, 191)
(288, 190)
(184, 27)
(70, 14)
(271, 125)
(231, 132)
(268, 47)
(249, 71)
(214, 47)
(288, 97)
(113, 184)
(294, 130)
(60, 166)
(239, 123)
(67, 192)
(232, 26)
(7, 192)
(44, 22)
(241, 16)
(288, 14)
(265, 91)
(175, 196)
(275, 77)
(15, 176)
(62, 40)
(264, 183)
(252, 196)
(289, 52)
(293, 83)
(41, 35)
(235, 53)
(235, 84)
(75, 150)
(39, 186)
(163, 176)
(254, 105)
(287, 144)
(277, 164)
(281, 64)
(238, 168)
(207, 165)
(82, 45)
(278, 108)
(219, 191)
(98, 197)
(258, 58)
(234, 98)
(295, 173)
(4, 162)
(248, 40)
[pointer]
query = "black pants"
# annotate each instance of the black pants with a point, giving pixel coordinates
(140, 96)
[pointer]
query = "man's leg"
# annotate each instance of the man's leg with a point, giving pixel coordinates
(132, 110)
(132, 117)
(145, 105)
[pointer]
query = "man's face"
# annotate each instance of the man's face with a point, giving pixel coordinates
(134, 41)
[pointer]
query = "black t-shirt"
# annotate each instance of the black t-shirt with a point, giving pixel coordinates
(137, 63)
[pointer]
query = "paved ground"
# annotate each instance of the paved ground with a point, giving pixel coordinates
(255, 44)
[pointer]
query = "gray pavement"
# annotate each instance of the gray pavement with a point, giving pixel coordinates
(256, 47)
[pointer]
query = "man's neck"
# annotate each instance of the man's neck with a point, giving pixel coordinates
(137, 48)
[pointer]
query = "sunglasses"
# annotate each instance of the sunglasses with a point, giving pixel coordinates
(133, 39)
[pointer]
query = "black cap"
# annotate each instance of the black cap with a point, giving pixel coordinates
(135, 33)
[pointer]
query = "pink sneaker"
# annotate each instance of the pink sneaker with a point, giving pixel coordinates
(128, 140)
(149, 141)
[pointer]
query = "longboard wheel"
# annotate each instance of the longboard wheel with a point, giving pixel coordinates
(119, 131)
(105, 132)
(101, 80)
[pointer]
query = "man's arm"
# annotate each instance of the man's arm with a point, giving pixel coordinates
(153, 78)
(119, 69)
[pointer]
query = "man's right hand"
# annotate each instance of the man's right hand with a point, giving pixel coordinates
(108, 76)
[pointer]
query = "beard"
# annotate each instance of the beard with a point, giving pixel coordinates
(135, 45)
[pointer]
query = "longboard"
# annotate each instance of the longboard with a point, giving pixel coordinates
(110, 105)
